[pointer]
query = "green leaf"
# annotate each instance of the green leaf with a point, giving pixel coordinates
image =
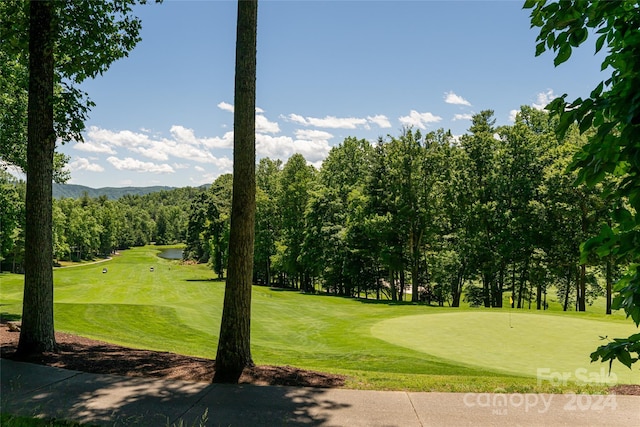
(577, 37)
(586, 122)
(625, 358)
(597, 91)
(600, 42)
(528, 4)
(563, 54)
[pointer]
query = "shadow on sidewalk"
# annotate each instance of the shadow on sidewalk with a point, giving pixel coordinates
(35, 390)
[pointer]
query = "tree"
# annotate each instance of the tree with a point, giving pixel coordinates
(295, 183)
(234, 345)
(11, 214)
(481, 149)
(14, 90)
(267, 217)
(612, 108)
(37, 332)
(68, 42)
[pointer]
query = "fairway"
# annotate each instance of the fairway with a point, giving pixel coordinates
(518, 343)
(378, 345)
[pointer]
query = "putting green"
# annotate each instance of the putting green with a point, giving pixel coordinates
(551, 348)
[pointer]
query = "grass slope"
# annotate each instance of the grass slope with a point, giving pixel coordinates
(178, 308)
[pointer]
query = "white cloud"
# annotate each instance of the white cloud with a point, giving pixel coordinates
(183, 135)
(226, 107)
(331, 122)
(224, 164)
(380, 120)
(94, 147)
(130, 164)
(263, 125)
(217, 142)
(421, 120)
(313, 134)
(199, 168)
(452, 98)
(81, 164)
(156, 152)
(543, 99)
(182, 144)
(462, 117)
(282, 147)
(125, 138)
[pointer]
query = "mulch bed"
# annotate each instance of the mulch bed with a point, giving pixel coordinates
(86, 355)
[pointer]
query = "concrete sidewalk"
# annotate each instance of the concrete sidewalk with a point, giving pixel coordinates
(35, 390)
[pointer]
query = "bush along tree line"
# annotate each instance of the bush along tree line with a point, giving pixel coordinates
(86, 228)
(425, 217)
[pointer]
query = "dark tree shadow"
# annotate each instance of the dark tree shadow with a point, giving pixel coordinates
(9, 317)
(107, 400)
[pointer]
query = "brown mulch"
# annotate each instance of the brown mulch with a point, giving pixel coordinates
(86, 355)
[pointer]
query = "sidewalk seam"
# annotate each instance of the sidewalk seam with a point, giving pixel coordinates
(46, 385)
(414, 409)
(209, 390)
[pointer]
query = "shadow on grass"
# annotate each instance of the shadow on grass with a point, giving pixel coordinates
(276, 289)
(389, 302)
(9, 317)
(364, 300)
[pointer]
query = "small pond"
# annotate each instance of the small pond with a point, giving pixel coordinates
(171, 254)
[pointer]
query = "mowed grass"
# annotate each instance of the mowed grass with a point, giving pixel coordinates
(178, 308)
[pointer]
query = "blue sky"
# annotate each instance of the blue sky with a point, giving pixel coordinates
(326, 70)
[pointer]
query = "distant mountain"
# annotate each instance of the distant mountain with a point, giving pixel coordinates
(76, 191)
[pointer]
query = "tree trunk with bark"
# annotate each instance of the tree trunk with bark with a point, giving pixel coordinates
(37, 331)
(609, 280)
(582, 289)
(234, 349)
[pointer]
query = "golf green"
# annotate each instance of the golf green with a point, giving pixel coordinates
(551, 348)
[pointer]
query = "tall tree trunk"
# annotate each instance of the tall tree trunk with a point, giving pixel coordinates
(234, 349)
(565, 306)
(609, 284)
(37, 332)
(581, 303)
(499, 288)
(392, 283)
(582, 289)
(486, 289)
(457, 287)
(416, 240)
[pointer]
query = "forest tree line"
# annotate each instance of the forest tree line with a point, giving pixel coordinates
(494, 212)
(85, 228)
(421, 217)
